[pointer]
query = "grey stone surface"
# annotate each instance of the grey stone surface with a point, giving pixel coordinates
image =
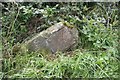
(56, 38)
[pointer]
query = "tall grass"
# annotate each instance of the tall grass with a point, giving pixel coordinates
(81, 64)
(97, 59)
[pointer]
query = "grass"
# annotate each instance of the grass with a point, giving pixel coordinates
(100, 60)
(85, 64)
(0, 46)
(1, 74)
(75, 64)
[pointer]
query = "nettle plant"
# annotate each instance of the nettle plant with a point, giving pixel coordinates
(98, 35)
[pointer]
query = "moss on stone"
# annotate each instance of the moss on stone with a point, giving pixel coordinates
(67, 24)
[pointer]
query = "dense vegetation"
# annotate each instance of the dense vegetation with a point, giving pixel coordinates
(96, 55)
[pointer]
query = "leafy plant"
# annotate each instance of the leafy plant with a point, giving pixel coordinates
(95, 57)
(98, 35)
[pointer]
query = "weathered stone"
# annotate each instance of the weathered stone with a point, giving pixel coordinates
(56, 38)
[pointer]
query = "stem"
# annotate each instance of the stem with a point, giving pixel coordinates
(12, 26)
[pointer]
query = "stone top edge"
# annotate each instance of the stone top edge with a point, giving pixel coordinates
(49, 30)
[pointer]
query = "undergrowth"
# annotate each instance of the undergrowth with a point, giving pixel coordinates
(96, 55)
(81, 64)
(98, 60)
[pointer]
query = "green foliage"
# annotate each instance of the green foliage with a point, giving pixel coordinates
(0, 46)
(98, 35)
(81, 64)
(95, 57)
